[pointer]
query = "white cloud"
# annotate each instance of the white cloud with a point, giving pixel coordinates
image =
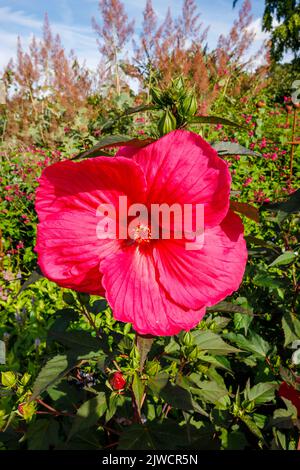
(79, 38)
(256, 27)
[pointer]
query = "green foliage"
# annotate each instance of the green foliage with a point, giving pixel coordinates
(215, 387)
(285, 36)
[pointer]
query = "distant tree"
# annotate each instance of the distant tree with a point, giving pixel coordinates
(114, 32)
(281, 19)
(285, 35)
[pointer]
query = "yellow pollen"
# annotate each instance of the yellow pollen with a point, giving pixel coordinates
(142, 234)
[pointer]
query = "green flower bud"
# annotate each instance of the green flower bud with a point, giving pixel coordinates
(189, 105)
(188, 339)
(167, 123)
(178, 84)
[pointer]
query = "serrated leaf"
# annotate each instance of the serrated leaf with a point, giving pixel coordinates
(152, 436)
(245, 209)
(284, 259)
(138, 389)
(209, 390)
(242, 321)
(89, 413)
(261, 392)
(254, 343)
(144, 345)
(34, 277)
(112, 141)
(209, 341)
(229, 307)
(214, 120)
(283, 209)
(291, 328)
(177, 397)
(233, 148)
(266, 280)
(80, 343)
(51, 373)
(43, 434)
(157, 383)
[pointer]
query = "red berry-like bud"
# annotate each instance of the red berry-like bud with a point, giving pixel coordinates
(20, 409)
(117, 381)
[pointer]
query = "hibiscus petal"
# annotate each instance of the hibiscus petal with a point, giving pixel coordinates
(182, 168)
(69, 250)
(135, 296)
(68, 245)
(87, 184)
(208, 275)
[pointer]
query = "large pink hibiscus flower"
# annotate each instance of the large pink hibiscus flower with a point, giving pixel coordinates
(156, 284)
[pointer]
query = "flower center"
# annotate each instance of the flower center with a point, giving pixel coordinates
(142, 234)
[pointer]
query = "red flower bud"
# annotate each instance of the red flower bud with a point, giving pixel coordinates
(117, 381)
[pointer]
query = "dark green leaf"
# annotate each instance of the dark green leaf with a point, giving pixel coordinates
(89, 413)
(261, 393)
(138, 388)
(284, 259)
(34, 276)
(209, 341)
(112, 141)
(51, 373)
(157, 383)
(254, 343)
(43, 434)
(232, 148)
(290, 206)
(214, 120)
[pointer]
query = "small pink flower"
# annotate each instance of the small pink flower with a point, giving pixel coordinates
(247, 182)
(263, 143)
(157, 285)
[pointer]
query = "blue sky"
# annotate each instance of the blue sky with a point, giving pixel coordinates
(72, 20)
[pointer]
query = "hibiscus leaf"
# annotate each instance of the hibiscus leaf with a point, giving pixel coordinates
(54, 370)
(214, 120)
(207, 390)
(144, 345)
(152, 436)
(255, 343)
(112, 141)
(229, 307)
(285, 208)
(128, 112)
(158, 382)
(177, 397)
(211, 342)
(232, 148)
(89, 413)
(34, 276)
(80, 343)
(291, 328)
(261, 392)
(43, 434)
(245, 209)
(284, 259)
(138, 388)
